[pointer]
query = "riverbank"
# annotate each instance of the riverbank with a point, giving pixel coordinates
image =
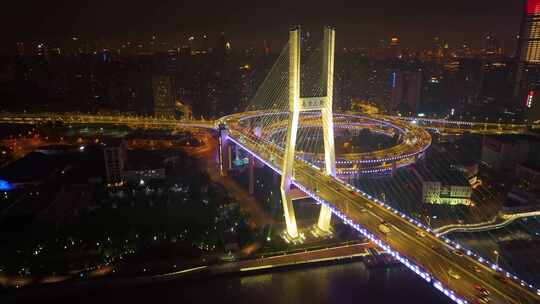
(350, 253)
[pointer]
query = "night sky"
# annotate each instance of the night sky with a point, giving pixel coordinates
(247, 22)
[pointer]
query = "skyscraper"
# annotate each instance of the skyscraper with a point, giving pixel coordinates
(529, 49)
(164, 96)
(406, 89)
(527, 85)
(115, 161)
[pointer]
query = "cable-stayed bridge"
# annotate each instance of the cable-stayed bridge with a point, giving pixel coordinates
(282, 99)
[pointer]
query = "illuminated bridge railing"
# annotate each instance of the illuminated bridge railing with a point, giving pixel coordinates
(307, 178)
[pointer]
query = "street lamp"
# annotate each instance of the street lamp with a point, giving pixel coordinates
(496, 257)
(428, 221)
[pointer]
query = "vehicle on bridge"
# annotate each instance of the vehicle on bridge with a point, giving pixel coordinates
(384, 227)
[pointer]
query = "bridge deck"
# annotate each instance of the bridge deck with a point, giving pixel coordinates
(424, 249)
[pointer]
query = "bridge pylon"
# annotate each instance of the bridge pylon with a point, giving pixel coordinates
(298, 104)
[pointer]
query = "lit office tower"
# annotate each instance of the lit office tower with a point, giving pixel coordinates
(527, 87)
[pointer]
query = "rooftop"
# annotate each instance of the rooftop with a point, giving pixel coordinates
(437, 167)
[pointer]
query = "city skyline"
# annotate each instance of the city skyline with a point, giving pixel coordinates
(456, 21)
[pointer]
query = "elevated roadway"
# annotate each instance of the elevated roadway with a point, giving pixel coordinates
(449, 127)
(441, 125)
(432, 257)
(118, 120)
(413, 141)
(499, 221)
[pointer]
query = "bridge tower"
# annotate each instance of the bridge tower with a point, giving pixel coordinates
(298, 104)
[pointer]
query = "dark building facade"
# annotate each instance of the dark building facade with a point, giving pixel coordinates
(164, 96)
(406, 89)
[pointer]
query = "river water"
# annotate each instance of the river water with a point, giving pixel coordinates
(340, 284)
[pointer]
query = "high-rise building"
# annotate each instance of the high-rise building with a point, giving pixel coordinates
(115, 153)
(527, 85)
(469, 79)
(406, 88)
(164, 96)
(530, 33)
